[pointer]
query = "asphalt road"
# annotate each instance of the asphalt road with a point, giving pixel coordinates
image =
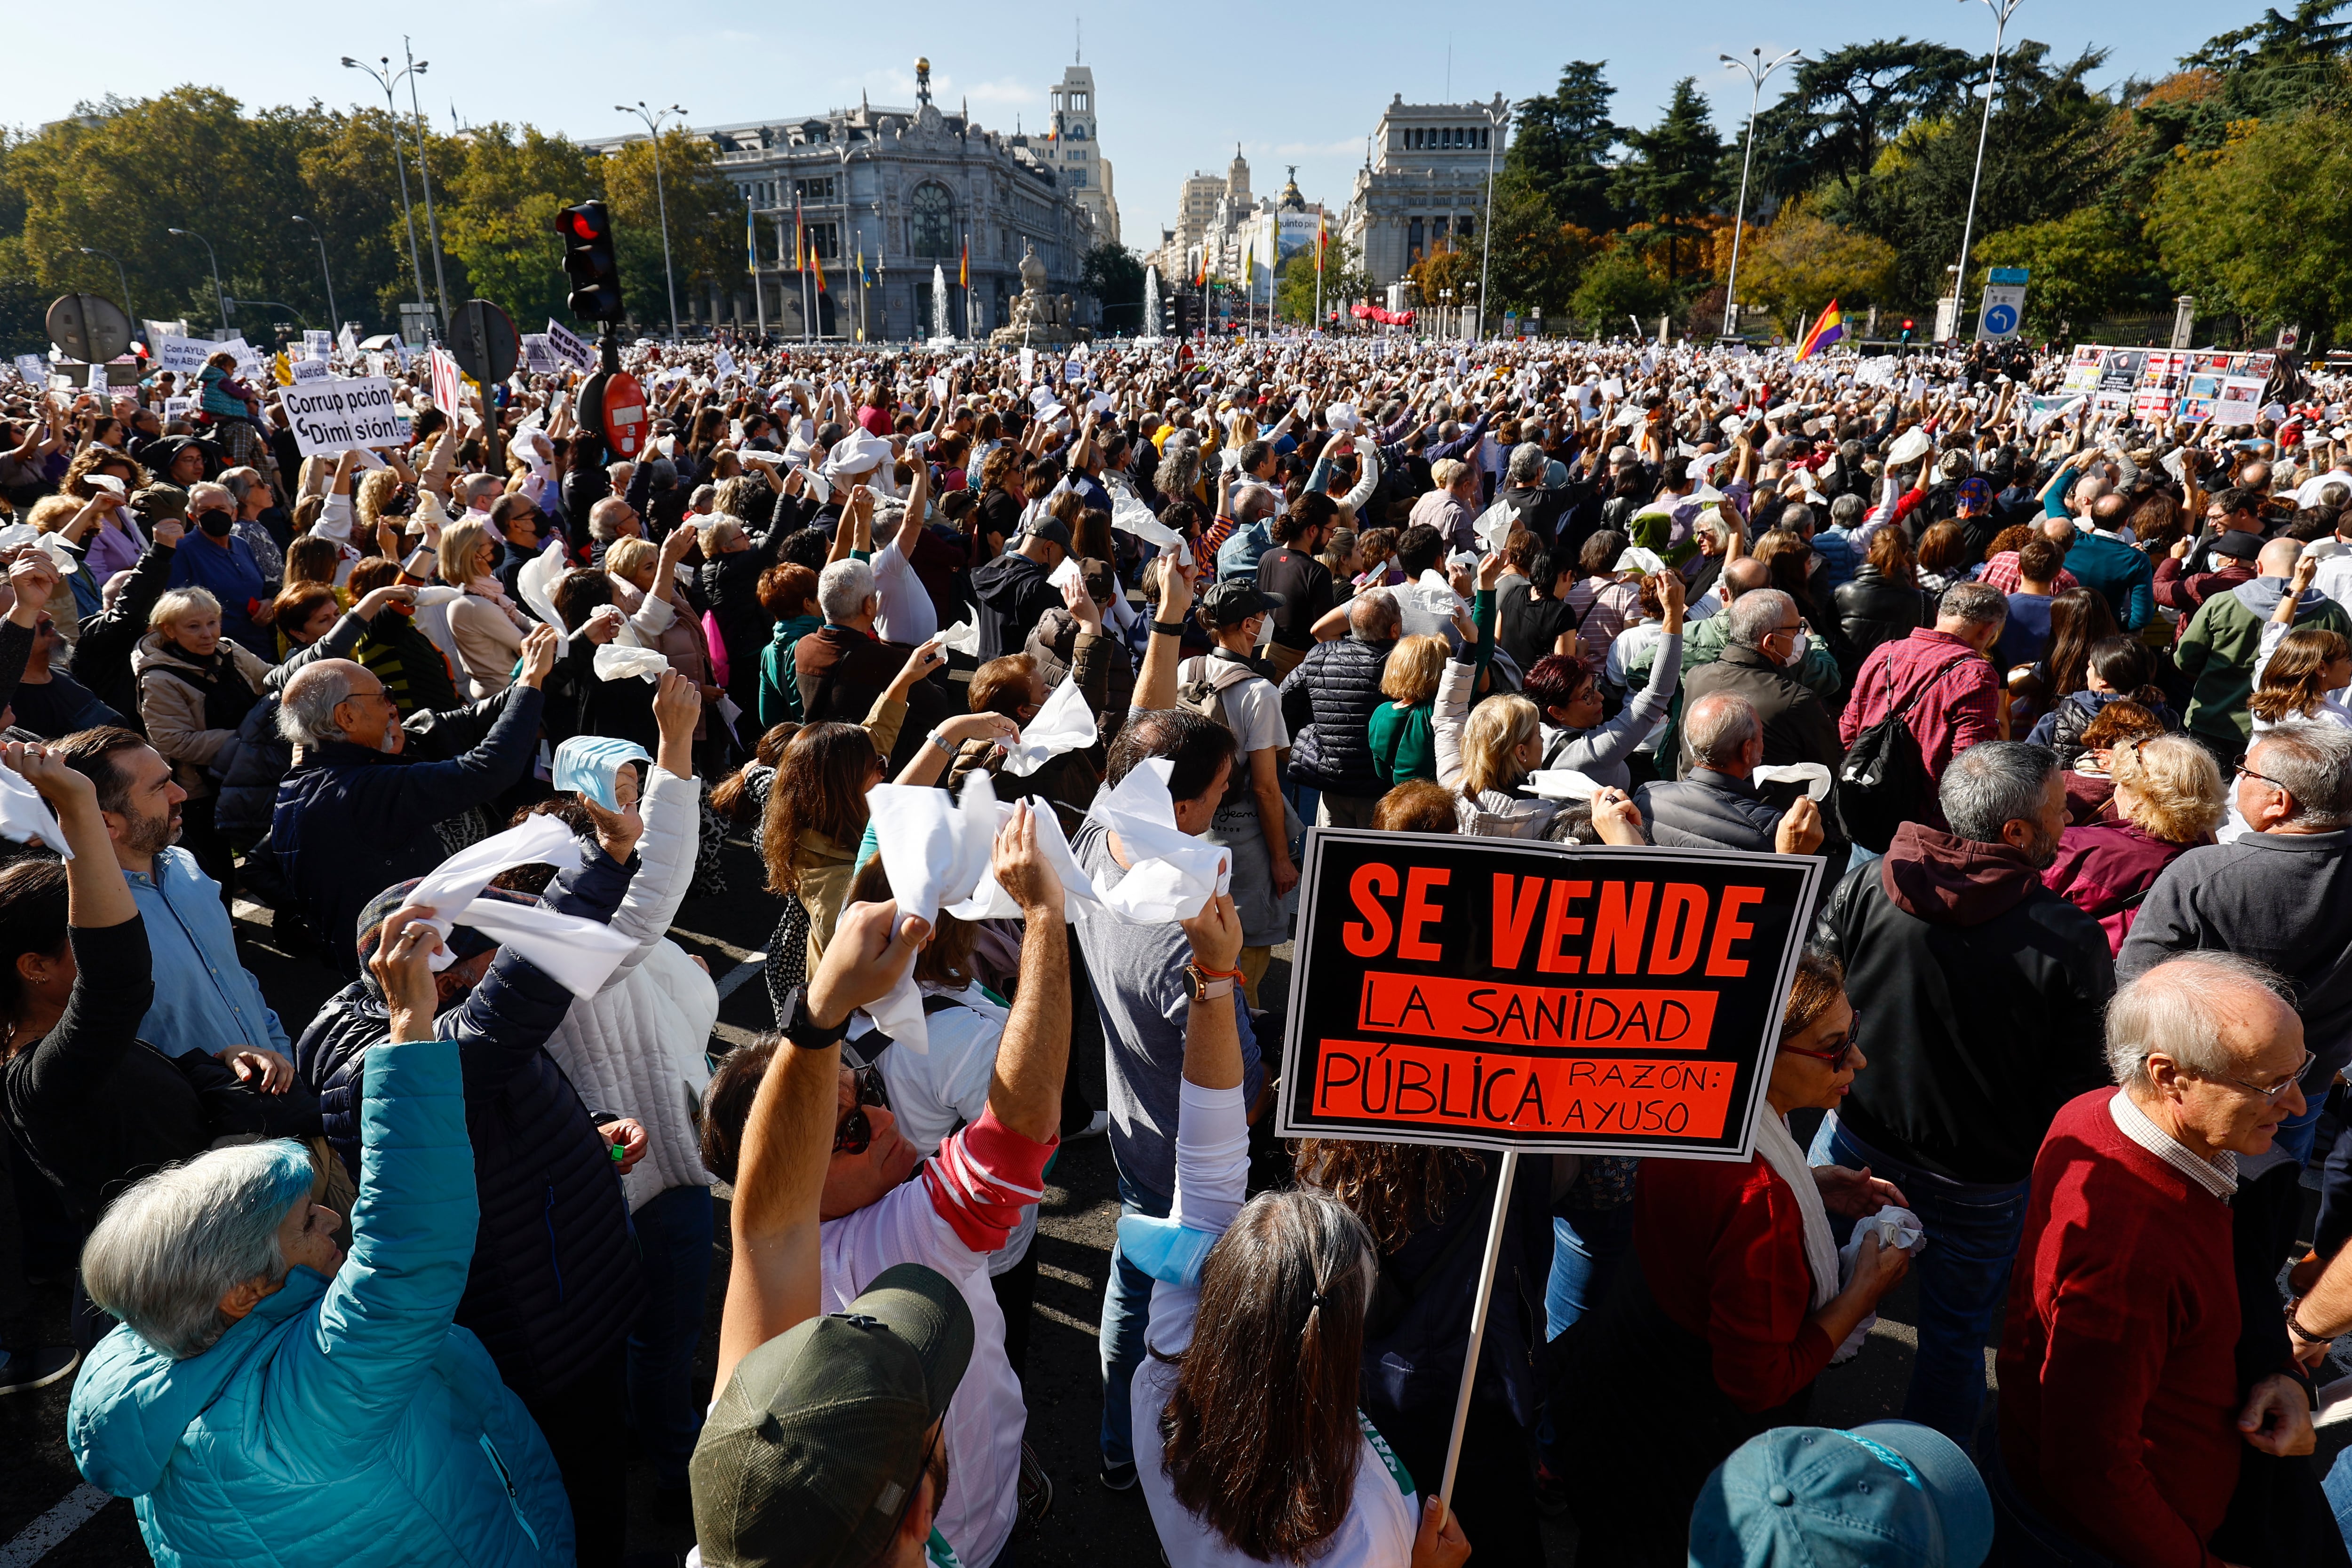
(40, 1495)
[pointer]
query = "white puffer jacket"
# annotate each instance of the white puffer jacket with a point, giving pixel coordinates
(637, 1047)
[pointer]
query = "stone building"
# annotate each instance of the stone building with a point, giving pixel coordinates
(907, 188)
(1073, 149)
(1221, 218)
(1423, 187)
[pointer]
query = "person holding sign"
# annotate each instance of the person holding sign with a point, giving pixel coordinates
(1247, 1440)
(1732, 1303)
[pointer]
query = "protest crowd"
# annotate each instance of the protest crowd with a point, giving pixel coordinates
(1027, 673)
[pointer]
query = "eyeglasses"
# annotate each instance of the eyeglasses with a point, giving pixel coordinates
(2271, 1093)
(854, 1133)
(1839, 1058)
(2242, 771)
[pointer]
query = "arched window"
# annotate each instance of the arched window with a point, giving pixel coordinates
(933, 223)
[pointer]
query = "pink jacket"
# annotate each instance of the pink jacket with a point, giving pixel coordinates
(1958, 708)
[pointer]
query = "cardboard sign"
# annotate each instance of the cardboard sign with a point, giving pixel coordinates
(571, 345)
(33, 370)
(539, 355)
(335, 416)
(2240, 400)
(305, 371)
(1508, 993)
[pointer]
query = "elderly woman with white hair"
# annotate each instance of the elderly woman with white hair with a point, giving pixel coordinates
(264, 1401)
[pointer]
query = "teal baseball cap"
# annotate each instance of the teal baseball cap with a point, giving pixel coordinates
(1892, 1494)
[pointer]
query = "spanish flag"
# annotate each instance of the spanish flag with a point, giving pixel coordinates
(1322, 238)
(1827, 330)
(750, 241)
(963, 272)
(1200, 273)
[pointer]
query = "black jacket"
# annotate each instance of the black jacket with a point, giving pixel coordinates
(554, 1280)
(102, 658)
(1982, 995)
(1328, 703)
(731, 583)
(1012, 595)
(1708, 810)
(351, 822)
(1797, 728)
(1871, 611)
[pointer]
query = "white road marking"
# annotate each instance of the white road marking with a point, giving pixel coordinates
(34, 1542)
(733, 979)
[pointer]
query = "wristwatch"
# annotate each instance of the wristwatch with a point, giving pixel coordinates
(797, 1026)
(942, 742)
(1206, 984)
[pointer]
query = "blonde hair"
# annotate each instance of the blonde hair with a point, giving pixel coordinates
(461, 546)
(375, 488)
(1446, 472)
(1413, 668)
(1491, 740)
(2176, 788)
(626, 556)
(179, 604)
(51, 513)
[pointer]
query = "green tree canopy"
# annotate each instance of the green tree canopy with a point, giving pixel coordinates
(1675, 171)
(2263, 224)
(1560, 145)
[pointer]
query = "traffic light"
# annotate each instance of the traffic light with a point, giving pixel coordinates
(588, 262)
(1906, 328)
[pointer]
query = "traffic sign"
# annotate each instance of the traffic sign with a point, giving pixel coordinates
(623, 414)
(91, 328)
(2003, 310)
(484, 341)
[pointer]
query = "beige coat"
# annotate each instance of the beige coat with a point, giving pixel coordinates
(488, 634)
(173, 710)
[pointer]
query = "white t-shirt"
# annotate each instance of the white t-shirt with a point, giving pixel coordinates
(1212, 1177)
(903, 609)
(932, 1095)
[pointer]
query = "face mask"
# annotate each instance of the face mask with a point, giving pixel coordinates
(1797, 648)
(216, 523)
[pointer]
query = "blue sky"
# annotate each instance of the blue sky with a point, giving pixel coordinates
(1300, 85)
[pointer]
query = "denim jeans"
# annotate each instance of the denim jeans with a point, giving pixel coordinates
(1972, 1234)
(1587, 1246)
(674, 1234)
(1127, 1310)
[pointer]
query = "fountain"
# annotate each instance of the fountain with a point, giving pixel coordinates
(1151, 332)
(941, 337)
(1038, 316)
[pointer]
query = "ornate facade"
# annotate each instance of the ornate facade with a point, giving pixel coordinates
(1423, 187)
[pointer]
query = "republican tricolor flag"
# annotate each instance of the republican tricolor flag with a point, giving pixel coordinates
(1827, 330)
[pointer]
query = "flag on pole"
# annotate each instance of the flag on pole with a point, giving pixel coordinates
(1827, 330)
(1200, 273)
(800, 237)
(1249, 247)
(750, 241)
(1322, 238)
(816, 264)
(963, 272)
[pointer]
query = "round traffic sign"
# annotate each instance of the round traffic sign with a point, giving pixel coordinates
(625, 425)
(2001, 321)
(91, 328)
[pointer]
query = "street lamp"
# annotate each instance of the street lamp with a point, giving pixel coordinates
(219, 297)
(120, 277)
(1496, 115)
(2002, 10)
(1757, 71)
(334, 318)
(653, 117)
(300, 320)
(387, 78)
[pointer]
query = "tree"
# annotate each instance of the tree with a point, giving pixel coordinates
(1344, 281)
(1825, 133)
(1441, 271)
(1675, 173)
(353, 196)
(2087, 265)
(498, 216)
(1800, 261)
(2263, 226)
(1618, 285)
(1538, 257)
(1560, 145)
(706, 222)
(1114, 275)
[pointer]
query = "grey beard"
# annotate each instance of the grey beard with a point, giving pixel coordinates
(389, 741)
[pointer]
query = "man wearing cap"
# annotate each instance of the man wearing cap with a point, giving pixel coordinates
(2130, 1385)
(1013, 592)
(1231, 685)
(2219, 649)
(554, 1284)
(834, 1438)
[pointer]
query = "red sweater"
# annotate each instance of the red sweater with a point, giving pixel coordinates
(1956, 710)
(1723, 1247)
(2118, 1377)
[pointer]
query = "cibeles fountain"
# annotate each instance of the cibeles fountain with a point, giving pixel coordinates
(1038, 317)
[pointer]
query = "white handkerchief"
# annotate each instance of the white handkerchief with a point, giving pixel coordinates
(1065, 572)
(963, 637)
(1815, 777)
(1129, 516)
(1171, 876)
(25, 817)
(989, 901)
(1063, 722)
(935, 848)
(615, 662)
(1563, 784)
(452, 886)
(536, 582)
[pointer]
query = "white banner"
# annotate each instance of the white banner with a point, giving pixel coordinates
(571, 345)
(182, 356)
(335, 416)
(33, 369)
(308, 372)
(165, 329)
(723, 364)
(2240, 400)
(317, 345)
(539, 355)
(446, 385)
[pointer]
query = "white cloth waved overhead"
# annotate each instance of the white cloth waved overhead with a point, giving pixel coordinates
(26, 818)
(1171, 876)
(578, 954)
(1063, 723)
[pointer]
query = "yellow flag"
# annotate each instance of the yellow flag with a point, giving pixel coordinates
(279, 368)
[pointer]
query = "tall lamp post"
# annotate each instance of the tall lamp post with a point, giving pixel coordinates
(425, 177)
(334, 317)
(387, 78)
(218, 297)
(1496, 116)
(2002, 10)
(1757, 71)
(653, 118)
(120, 277)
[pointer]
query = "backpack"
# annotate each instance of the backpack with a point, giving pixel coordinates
(1883, 782)
(1201, 683)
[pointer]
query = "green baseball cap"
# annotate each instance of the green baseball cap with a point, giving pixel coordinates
(810, 1457)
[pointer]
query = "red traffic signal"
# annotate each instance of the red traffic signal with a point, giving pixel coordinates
(1906, 323)
(589, 261)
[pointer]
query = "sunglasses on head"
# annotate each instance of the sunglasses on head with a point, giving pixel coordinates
(854, 1133)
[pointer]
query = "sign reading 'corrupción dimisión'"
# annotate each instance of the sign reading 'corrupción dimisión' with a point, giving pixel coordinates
(1507, 993)
(334, 416)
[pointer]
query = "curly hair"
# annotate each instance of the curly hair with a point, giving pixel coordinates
(2176, 787)
(1394, 1189)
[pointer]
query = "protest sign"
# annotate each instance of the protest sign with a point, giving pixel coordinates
(539, 355)
(305, 371)
(182, 356)
(446, 386)
(571, 345)
(317, 345)
(33, 370)
(1450, 990)
(2240, 400)
(336, 415)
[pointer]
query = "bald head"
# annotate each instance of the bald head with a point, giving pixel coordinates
(2059, 531)
(2201, 1042)
(2278, 558)
(307, 707)
(1745, 576)
(1374, 617)
(1725, 734)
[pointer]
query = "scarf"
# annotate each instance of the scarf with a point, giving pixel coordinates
(1780, 1149)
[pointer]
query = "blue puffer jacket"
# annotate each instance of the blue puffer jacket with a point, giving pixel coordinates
(342, 1420)
(554, 1280)
(351, 822)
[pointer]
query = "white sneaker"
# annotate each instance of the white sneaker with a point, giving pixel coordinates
(1097, 1125)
